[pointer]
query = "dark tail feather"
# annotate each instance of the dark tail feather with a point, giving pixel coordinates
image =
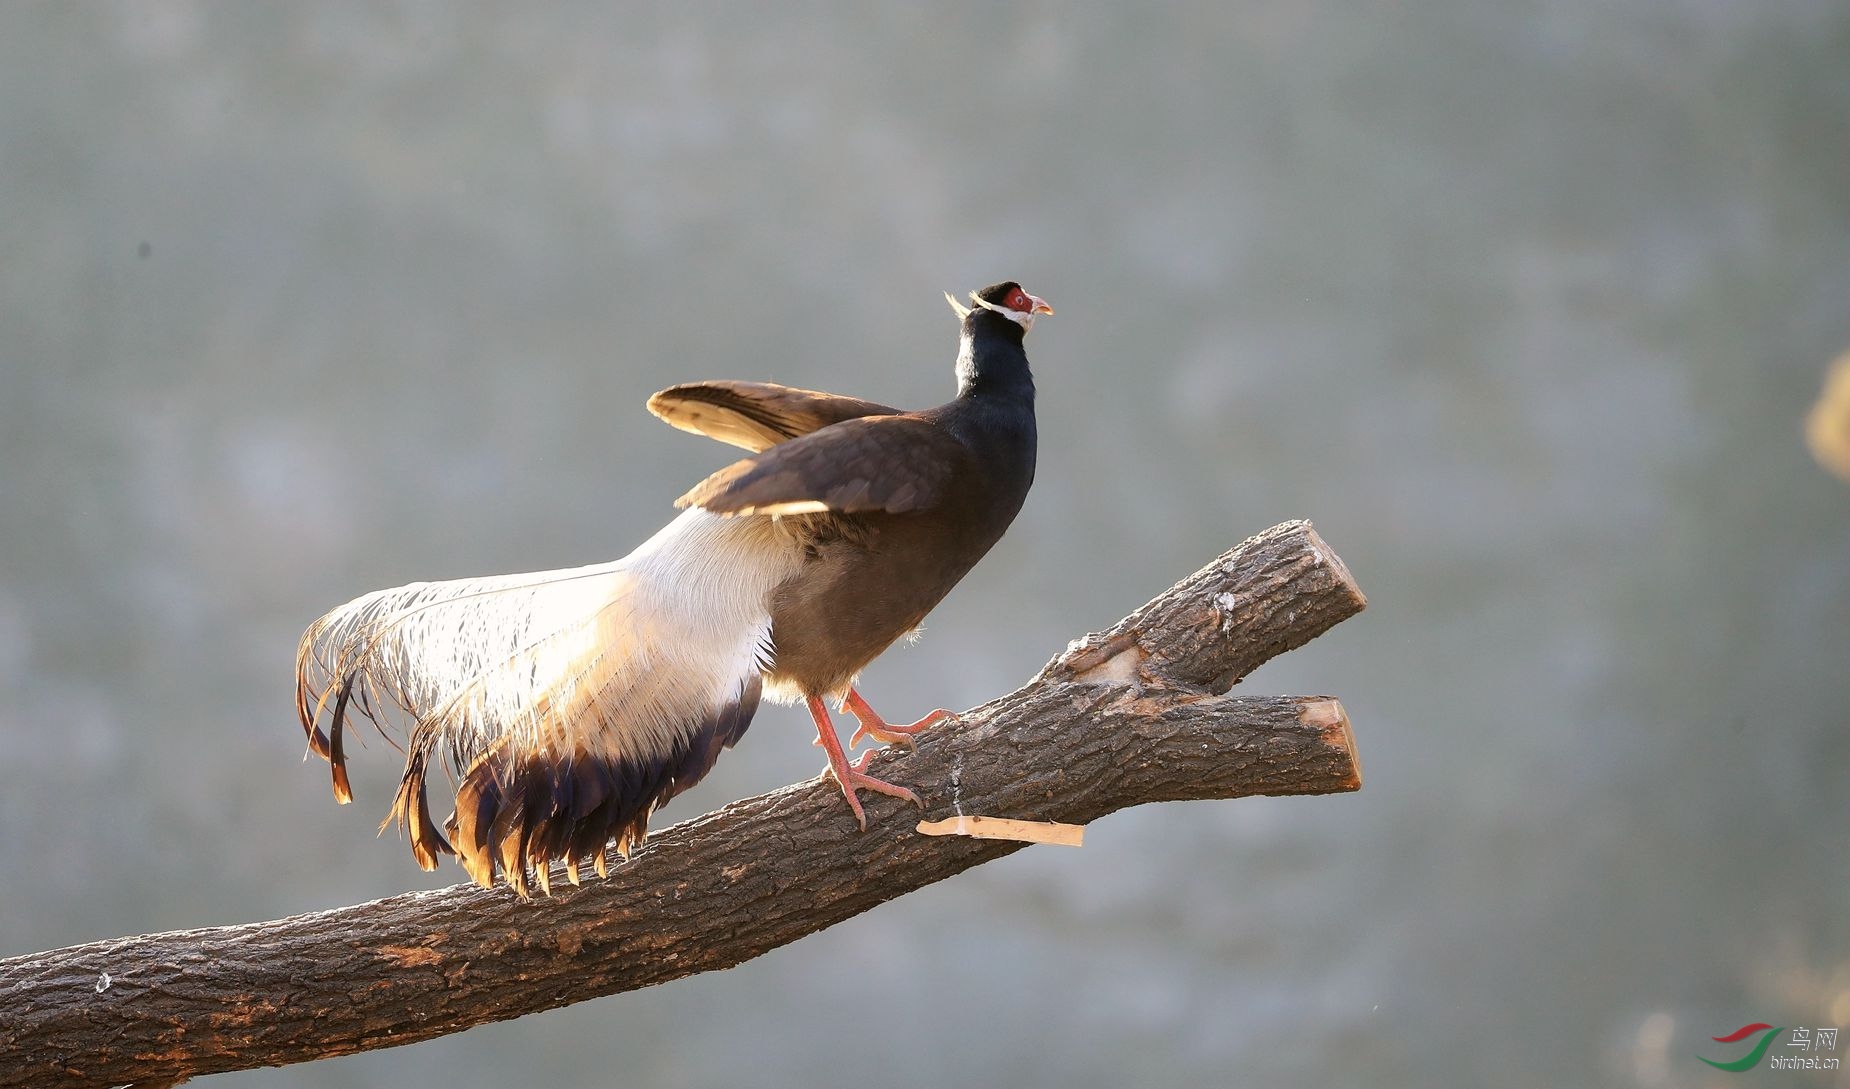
(337, 757)
(477, 800)
(728, 727)
(411, 810)
(349, 697)
(508, 832)
(549, 837)
(524, 811)
(306, 711)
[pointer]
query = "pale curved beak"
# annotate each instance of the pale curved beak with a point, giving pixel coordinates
(1038, 305)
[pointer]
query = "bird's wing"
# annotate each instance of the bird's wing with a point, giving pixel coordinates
(894, 464)
(756, 415)
(567, 704)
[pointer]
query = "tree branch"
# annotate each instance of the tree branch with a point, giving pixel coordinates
(1131, 715)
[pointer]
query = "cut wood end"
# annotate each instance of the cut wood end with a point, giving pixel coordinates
(1328, 557)
(1327, 715)
(1062, 835)
(1323, 713)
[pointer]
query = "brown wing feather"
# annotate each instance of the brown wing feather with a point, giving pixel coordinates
(756, 415)
(894, 464)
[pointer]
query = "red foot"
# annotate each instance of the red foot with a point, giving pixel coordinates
(887, 733)
(851, 777)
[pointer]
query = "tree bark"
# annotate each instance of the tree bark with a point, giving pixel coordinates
(1131, 715)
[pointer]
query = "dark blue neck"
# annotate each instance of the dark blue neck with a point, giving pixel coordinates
(991, 364)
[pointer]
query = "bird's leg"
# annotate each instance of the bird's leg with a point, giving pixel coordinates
(887, 733)
(850, 776)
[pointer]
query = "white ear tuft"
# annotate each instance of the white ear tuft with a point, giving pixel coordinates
(962, 310)
(1019, 317)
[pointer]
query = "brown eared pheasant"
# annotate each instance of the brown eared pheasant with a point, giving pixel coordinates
(568, 705)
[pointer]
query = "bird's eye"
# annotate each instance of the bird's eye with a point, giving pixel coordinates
(1018, 300)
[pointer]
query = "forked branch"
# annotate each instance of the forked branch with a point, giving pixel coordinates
(1135, 714)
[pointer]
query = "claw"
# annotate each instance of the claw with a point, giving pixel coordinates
(852, 777)
(879, 729)
(857, 779)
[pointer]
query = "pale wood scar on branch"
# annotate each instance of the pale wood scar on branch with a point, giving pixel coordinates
(1137, 713)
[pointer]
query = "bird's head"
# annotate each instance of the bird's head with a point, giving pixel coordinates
(1007, 299)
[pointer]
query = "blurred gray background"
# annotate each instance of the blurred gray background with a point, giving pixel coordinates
(1522, 304)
